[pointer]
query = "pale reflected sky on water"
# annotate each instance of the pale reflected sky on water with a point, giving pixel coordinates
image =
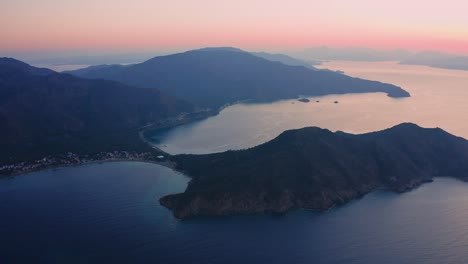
(439, 98)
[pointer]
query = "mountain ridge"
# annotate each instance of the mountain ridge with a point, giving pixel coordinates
(218, 76)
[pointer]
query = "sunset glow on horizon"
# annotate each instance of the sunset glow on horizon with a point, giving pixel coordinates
(29, 25)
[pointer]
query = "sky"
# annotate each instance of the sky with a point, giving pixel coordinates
(271, 25)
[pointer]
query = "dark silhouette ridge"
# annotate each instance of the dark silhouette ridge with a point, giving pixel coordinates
(43, 113)
(10, 65)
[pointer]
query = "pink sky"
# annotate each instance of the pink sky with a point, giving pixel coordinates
(141, 25)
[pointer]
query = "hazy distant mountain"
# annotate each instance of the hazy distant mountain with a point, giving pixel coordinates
(427, 58)
(217, 76)
(438, 60)
(352, 54)
(316, 169)
(44, 112)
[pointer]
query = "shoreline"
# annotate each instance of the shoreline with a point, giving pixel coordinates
(167, 164)
(71, 160)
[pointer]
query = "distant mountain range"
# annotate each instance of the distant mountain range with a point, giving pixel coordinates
(438, 60)
(315, 169)
(43, 112)
(214, 77)
(351, 54)
(426, 58)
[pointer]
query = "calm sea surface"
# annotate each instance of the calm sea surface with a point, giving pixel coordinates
(108, 213)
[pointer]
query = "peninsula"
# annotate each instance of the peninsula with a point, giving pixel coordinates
(316, 169)
(213, 77)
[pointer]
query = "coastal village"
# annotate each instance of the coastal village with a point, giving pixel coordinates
(73, 159)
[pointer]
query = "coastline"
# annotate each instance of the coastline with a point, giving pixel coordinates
(69, 159)
(166, 164)
(170, 123)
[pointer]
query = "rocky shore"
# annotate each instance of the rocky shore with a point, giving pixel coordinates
(223, 204)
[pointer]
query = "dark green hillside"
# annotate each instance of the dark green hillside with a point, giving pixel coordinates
(43, 112)
(313, 168)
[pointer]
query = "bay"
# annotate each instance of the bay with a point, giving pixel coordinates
(438, 99)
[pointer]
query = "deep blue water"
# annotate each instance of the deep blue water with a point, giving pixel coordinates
(104, 213)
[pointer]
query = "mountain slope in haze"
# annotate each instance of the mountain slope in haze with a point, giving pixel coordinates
(438, 60)
(316, 169)
(352, 54)
(426, 58)
(43, 112)
(217, 76)
(287, 60)
(91, 69)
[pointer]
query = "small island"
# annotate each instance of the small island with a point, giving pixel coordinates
(315, 169)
